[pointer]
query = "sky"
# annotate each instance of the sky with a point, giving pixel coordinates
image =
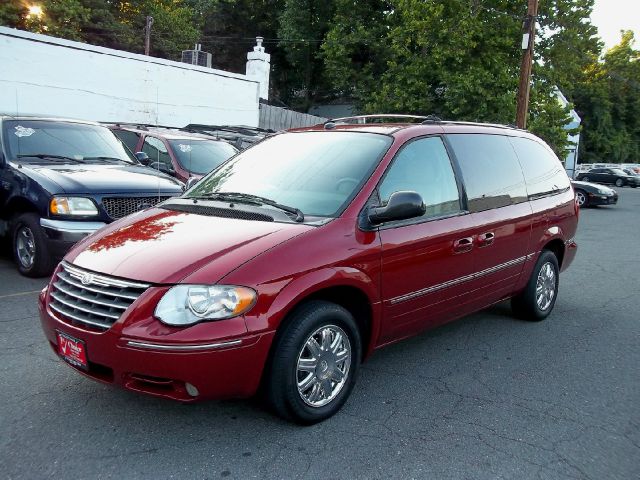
(611, 16)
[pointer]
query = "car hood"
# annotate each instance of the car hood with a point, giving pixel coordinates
(164, 246)
(595, 186)
(102, 178)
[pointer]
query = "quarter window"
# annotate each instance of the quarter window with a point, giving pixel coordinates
(490, 169)
(543, 172)
(130, 139)
(423, 166)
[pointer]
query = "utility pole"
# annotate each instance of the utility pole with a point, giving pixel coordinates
(528, 36)
(147, 35)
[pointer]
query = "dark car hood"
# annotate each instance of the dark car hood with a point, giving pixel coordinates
(165, 246)
(595, 186)
(103, 178)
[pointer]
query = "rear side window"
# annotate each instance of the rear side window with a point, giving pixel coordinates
(490, 169)
(423, 166)
(130, 139)
(543, 172)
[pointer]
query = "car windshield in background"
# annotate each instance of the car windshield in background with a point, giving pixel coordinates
(45, 140)
(618, 171)
(201, 156)
(318, 173)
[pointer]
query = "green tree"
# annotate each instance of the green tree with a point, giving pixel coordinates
(303, 25)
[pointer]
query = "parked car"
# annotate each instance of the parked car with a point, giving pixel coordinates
(612, 176)
(291, 263)
(631, 171)
(64, 179)
(173, 151)
(591, 194)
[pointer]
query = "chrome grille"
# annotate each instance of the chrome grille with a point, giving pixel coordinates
(118, 207)
(88, 299)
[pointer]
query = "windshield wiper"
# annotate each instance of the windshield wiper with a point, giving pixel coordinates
(254, 200)
(108, 159)
(49, 157)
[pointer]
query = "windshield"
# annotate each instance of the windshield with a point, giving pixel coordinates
(201, 156)
(318, 173)
(26, 139)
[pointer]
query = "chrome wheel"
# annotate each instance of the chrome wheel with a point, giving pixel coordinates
(25, 246)
(323, 365)
(581, 198)
(545, 286)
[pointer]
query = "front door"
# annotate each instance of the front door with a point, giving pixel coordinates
(426, 262)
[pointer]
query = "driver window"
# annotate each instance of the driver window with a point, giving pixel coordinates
(157, 151)
(423, 166)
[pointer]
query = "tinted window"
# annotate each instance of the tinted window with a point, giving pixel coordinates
(423, 166)
(130, 139)
(543, 172)
(317, 172)
(201, 156)
(492, 175)
(157, 151)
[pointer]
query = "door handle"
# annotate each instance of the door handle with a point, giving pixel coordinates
(463, 245)
(486, 239)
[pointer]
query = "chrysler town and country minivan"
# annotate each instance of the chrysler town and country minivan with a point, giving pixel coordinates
(287, 266)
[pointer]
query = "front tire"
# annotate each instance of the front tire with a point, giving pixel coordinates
(582, 199)
(537, 300)
(585, 179)
(315, 362)
(29, 246)
(619, 182)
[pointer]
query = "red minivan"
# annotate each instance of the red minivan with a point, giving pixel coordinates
(288, 265)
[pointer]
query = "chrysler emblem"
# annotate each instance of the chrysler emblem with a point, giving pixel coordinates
(87, 279)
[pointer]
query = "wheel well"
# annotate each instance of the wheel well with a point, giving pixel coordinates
(557, 247)
(17, 205)
(355, 301)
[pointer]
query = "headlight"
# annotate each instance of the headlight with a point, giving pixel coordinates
(79, 206)
(188, 304)
(604, 192)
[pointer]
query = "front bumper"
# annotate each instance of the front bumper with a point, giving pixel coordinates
(226, 368)
(61, 235)
(599, 199)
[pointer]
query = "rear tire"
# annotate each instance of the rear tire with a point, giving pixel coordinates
(29, 246)
(585, 179)
(537, 300)
(309, 382)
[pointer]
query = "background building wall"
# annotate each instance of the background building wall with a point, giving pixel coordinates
(43, 75)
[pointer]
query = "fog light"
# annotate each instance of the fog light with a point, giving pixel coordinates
(191, 390)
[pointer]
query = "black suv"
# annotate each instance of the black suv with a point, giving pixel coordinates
(61, 180)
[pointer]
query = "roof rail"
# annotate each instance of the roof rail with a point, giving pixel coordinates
(385, 117)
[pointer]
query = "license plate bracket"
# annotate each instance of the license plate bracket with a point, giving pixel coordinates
(72, 350)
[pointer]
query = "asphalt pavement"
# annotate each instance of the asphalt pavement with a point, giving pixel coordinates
(486, 397)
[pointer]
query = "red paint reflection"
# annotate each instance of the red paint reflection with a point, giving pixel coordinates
(150, 228)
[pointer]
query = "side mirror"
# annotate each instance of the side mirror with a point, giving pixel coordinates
(142, 157)
(401, 205)
(191, 182)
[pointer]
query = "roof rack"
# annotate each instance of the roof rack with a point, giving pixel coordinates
(140, 126)
(379, 118)
(240, 136)
(401, 118)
